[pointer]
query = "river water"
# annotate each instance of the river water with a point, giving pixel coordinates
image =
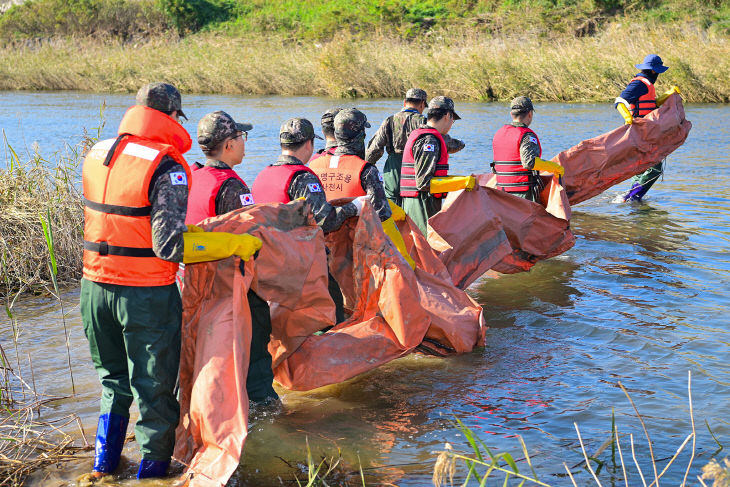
(641, 299)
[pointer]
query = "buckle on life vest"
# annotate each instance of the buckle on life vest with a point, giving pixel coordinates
(103, 248)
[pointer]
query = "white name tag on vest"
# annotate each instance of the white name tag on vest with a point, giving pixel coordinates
(334, 162)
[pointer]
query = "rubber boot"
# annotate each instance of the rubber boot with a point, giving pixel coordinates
(152, 468)
(636, 192)
(110, 435)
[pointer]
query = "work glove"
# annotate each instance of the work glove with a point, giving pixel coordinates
(624, 111)
(549, 166)
(391, 230)
(397, 213)
(448, 184)
(202, 246)
(358, 202)
(663, 97)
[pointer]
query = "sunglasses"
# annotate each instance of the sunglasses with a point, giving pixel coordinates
(242, 134)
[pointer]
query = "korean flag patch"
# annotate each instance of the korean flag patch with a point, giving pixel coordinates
(314, 188)
(246, 199)
(178, 178)
(429, 148)
(532, 139)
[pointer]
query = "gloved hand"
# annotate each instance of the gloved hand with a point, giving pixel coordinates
(624, 111)
(358, 202)
(392, 231)
(663, 97)
(448, 184)
(397, 213)
(201, 246)
(549, 166)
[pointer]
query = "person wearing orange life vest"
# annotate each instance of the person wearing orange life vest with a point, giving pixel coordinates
(424, 173)
(135, 190)
(217, 189)
(328, 130)
(345, 174)
(636, 101)
(516, 152)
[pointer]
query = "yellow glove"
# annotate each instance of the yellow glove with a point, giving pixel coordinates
(397, 213)
(663, 97)
(201, 246)
(549, 166)
(448, 184)
(392, 231)
(624, 111)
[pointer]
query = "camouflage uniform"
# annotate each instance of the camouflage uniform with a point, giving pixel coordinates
(213, 130)
(307, 185)
(350, 125)
(392, 136)
(529, 150)
(421, 208)
(134, 331)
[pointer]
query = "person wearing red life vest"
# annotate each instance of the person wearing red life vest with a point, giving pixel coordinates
(328, 130)
(636, 101)
(516, 154)
(424, 177)
(217, 189)
(345, 174)
(135, 192)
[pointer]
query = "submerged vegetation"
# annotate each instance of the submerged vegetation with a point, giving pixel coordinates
(553, 50)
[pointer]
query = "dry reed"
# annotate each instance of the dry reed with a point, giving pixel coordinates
(466, 65)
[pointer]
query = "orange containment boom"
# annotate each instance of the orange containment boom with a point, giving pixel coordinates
(596, 164)
(394, 310)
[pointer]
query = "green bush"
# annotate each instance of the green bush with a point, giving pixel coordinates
(192, 15)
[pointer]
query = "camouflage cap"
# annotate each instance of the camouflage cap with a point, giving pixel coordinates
(443, 103)
(521, 104)
(216, 127)
(417, 94)
(161, 96)
(328, 119)
(297, 130)
(349, 123)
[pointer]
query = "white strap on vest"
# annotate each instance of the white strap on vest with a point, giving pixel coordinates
(334, 162)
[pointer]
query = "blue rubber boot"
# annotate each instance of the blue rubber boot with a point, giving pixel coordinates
(152, 468)
(636, 192)
(110, 435)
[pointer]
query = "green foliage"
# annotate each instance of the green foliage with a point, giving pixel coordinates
(192, 15)
(122, 19)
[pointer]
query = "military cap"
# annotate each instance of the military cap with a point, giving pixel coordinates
(161, 96)
(297, 130)
(216, 127)
(328, 119)
(521, 104)
(443, 103)
(417, 94)
(349, 123)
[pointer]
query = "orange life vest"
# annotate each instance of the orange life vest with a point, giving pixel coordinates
(646, 103)
(339, 175)
(116, 181)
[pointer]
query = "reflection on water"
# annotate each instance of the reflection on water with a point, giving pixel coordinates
(641, 299)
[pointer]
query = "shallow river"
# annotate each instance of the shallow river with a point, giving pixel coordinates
(642, 298)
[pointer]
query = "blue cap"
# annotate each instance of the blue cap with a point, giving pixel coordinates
(653, 62)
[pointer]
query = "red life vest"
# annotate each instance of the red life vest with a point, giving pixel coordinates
(408, 168)
(272, 184)
(339, 175)
(323, 152)
(511, 175)
(646, 103)
(116, 180)
(206, 183)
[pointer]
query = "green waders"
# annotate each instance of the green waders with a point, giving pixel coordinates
(134, 338)
(421, 208)
(259, 383)
(391, 178)
(648, 177)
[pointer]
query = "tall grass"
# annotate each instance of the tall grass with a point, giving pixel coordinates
(463, 64)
